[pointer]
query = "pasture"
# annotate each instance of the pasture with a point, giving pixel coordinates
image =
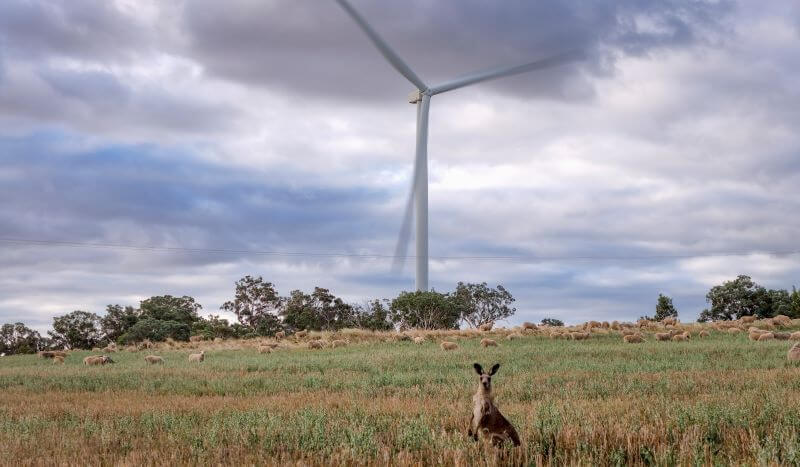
(600, 401)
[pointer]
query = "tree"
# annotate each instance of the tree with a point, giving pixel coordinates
(374, 316)
(320, 311)
(780, 302)
(76, 330)
(156, 330)
(256, 304)
(794, 300)
(480, 304)
(168, 308)
(664, 309)
(425, 310)
(19, 339)
(737, 298)
(117, 321)
(552, 322)
(215, 326)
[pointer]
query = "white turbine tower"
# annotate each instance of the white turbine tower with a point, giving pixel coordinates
(418, 200)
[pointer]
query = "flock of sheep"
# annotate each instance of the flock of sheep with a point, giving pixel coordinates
(667, 330)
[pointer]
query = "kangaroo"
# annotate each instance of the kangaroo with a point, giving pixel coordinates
(486, 417)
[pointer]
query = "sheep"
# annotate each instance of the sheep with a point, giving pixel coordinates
(703, 334)
(734, 331)
(747, 319)
(301, 334)
(97, 360)
(197, 357)
(663, 336)
(280, 335)
(633, 339)
(782, 336)
(605, 325)
(579, 336)
(615, 325)
(57, 360)
(643, 323)
(154, 360)
(529, 325)
(52, 354)
(264, 349)
(754, 334)
(679, 337)
(687, 335)
(592, 324)
(315, 344)
(338, 343)
(783, 320)
(795, 336)
(486, 418)
(794, 353)
(486, 326)
(671, 320)
(627, 332)
(767, 336)
(419, 340)
(513, 335)
(488, 343)
(446, 345)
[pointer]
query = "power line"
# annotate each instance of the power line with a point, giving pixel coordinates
(510, 258)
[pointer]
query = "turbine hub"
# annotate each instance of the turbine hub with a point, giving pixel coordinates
(415, 96)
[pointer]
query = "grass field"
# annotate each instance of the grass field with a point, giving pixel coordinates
(596, 402)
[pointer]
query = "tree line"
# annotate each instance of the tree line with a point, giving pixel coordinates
(261, 311)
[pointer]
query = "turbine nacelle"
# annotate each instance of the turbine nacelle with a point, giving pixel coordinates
(415, 97)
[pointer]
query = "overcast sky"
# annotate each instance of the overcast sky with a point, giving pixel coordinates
(265, 125)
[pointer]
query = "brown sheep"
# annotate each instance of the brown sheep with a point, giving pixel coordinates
(579, 336)
(52, 354)
(605, 325)
(264, 349)
(795, 336)
(338, 343)
(679, 337)
(486, 420)
(446, 345)
(197, 357)
(671, 320)
(488, 343)
(513, 335)
(280, 335)
(794, 353)
(315, 344)
(97, 360)
(154, 360)
(301, 334)
(615, 325)
(782, 336)
(703, 334)
(419, 340)
(734, 331)
(627, 332)
(58, 360)
(529, 325)
(633, 339)
(486, 326)
(748, 319)
(663, 336)
(767, 336)
(754, 334)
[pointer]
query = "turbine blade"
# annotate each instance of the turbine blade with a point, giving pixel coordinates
(487, 75)
(404, 238)
(382, 46)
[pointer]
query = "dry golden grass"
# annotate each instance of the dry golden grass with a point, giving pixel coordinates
(384, 401)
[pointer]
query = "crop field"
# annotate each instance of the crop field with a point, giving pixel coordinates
(723, 399)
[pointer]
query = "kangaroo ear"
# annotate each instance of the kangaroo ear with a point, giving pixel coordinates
(495, 367)
(478, 368)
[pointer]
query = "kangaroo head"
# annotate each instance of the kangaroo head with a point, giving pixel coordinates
(485, 378)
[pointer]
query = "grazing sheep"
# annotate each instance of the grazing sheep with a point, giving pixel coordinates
(643, 323)
(663, 336)
(734, 331)
(579, 336)
(513, 335)
(781, 336)
(615, 325)
(446, 345)
(145, 344)
(301, 334)
(633, 339)
(767, 336)
(687, 335)
(338, 343)
(57, 360)
(97, 360)
(488, 343)
(197, 357)
(486, 419)
(783, 320)
(794, 353)
(315, 344)
(671, 320)
(419, 340)
(529, 325)
(592, 324)
(264, 349)
(280, 335)
(154, 360)
(795, 336)
(627, 332)
(754, 334)
(605, 325)
(748, 319)
(703, 334)
(486, 326)
(52, 353)
(679, 337)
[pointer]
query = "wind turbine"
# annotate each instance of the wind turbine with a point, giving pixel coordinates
(421, 96)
